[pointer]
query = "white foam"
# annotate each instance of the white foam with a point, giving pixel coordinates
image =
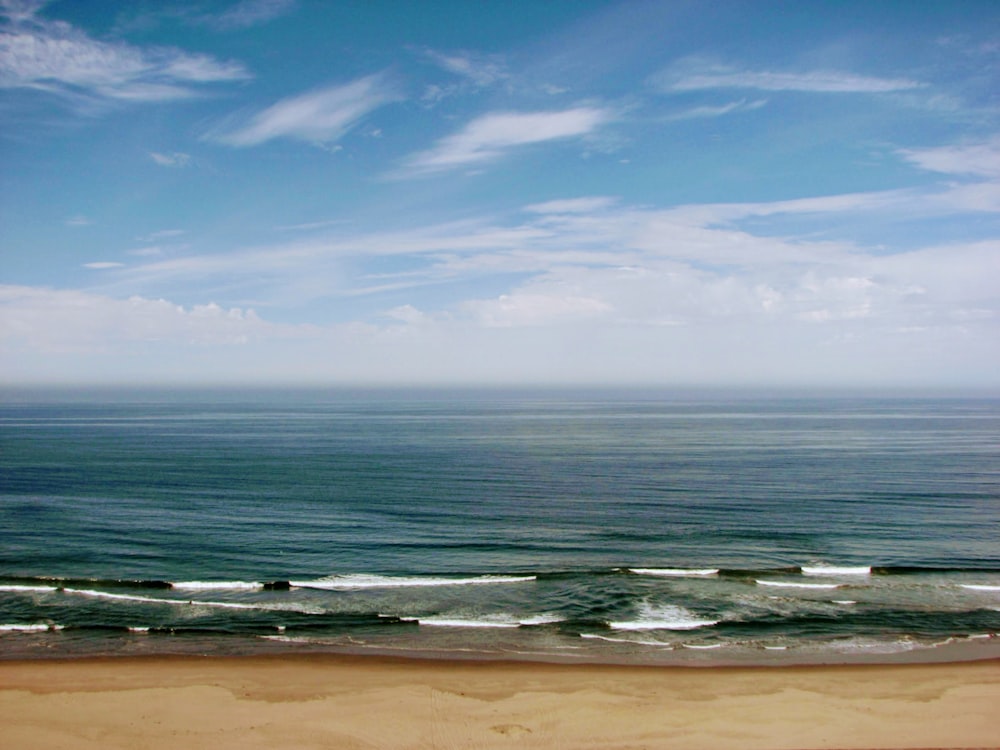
(365, 581)
(545, 619)
(459, 622)
(142, 630)
(675, 572)
(120, 597)
(15, 588)
(702, 647)
(790, 585)
(224, 605)
(980, 587)
(637, 641)
(668, 617)
(217, 586)
(288, 639)
(486, 621)
(866, 645)
(285, 607)
(36, 628)
(172, 602)
(844, 601)
(837, 570)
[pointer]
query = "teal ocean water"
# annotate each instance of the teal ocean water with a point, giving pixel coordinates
(613, 526)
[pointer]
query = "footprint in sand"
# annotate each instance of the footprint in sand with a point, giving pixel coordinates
(510, 730)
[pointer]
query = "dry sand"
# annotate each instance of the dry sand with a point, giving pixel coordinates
(344, 702)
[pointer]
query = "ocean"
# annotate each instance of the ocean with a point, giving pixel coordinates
(620, 526)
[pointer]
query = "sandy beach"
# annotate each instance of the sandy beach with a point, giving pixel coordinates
(346, 702)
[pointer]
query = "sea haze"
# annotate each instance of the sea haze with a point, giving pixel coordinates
(604, 525)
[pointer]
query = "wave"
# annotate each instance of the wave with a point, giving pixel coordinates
(675, 572)
(155, 600)
(95, 594)
(487, 621)
(43, 584)
(53, 583)
(793, 585)
(33, 628)
(461, 622)
(546, 619)
(637, 641)
(980, 587)
(668, 617)
(365, 581)
(58, 582)
(217, 586)
(837, 570)
(18, 589)
(853, 570)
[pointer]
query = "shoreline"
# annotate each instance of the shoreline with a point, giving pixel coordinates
(350, 701)
(69, 645)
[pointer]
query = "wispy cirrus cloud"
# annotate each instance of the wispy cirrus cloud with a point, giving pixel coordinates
(175, 159)
(248, 13)
(587, 269)
(57, 58)
(474, 72)
(718, 111)
(495, 134)
(481, 70)
(317, 117)
(595, 257)
(980, 159)
(697, 74)
(572, 205)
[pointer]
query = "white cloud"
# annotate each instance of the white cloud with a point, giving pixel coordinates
(718, 111)
(572, 205)
(975, 197)
(474, 72)
(147, 252)
(529, 308)
(589, 288)
(68, 320)
(175, 159)
(101, 265)
(981, 159)
(161, 234)
(21, 10)
(406, 314)
(491, 136)
(248, 13)
(685, 253)
(317, 117)
(697, 74)
(54, 57)
(481, 70)
(641, 303)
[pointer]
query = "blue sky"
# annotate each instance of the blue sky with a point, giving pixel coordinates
(677, 193)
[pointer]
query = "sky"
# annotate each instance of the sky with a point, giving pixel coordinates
(716, 193)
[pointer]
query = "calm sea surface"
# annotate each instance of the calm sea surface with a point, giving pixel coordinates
(616, 526)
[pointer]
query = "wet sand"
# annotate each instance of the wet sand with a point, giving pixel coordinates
(350, 703)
